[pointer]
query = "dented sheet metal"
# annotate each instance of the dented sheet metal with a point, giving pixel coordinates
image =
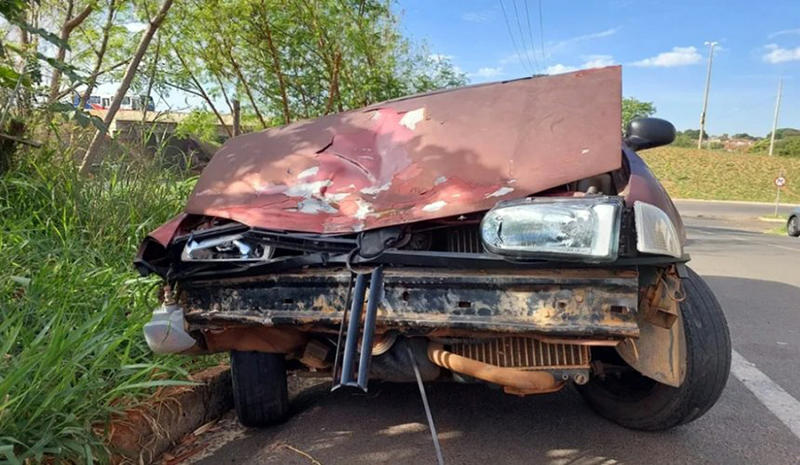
(597, 303)
(418, 158)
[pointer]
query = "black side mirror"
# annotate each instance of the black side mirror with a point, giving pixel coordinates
(646, 133)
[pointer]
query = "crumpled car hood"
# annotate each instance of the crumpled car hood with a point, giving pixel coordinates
(418, 158)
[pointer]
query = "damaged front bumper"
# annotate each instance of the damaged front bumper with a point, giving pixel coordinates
(596, 303)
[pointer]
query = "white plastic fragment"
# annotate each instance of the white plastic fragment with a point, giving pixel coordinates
(165, 333)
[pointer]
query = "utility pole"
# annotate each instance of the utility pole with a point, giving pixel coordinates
(711, 46)
(775, 119)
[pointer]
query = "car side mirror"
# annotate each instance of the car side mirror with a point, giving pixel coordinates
(646, 133)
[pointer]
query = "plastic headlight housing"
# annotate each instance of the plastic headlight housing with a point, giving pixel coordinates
(230, 248)
(655, 232)
(571, 229)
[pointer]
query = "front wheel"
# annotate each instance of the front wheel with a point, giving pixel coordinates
(793, 226)
(260, 393)
(638, 402)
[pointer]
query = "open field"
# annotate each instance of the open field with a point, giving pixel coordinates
(717, 175)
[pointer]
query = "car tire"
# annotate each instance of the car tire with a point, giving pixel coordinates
(793, 226)
(260, 394)
(637, 402)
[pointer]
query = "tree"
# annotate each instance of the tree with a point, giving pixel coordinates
(743, 135)
(71, 21)
(296, 59)
(694, 134)
(94, 146)
(633, 108)
(782, 133)
(784, 147)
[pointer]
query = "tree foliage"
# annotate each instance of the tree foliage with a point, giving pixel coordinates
(296, 59)
(783, 133)
(787, 143)
(633, 108)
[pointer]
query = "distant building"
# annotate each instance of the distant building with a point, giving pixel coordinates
(737, 145)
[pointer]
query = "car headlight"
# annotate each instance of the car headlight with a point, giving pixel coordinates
(231, 248)
(578, 229)
(655, 232)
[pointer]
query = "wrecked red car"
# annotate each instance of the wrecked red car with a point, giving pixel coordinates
(501, 233)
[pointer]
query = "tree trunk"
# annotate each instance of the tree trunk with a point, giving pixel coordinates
(70, 24)
(141, 49)
(247, 90)
(287, 117)
(100, 54)
(237, 129)
(150, 81)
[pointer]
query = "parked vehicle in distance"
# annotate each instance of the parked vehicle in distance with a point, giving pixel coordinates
(499, 233)
(793, 223)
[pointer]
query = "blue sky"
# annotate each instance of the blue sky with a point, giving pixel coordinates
(660, 45)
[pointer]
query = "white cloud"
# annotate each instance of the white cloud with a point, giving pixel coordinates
(581, 38)
(478, 16)
(440, 57)
(592, 61)
(785, 33)
(488, 72)
(777, 54)
(552, 47)
(679, 56)
(559, 68)
(598, 61)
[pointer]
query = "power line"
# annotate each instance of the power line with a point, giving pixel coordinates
(522, 37)
(541, 35)
(530, 34)
(508, 26)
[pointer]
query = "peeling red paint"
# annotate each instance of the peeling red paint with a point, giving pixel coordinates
(418, 158)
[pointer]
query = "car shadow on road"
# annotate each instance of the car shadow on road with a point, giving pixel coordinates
(478, 424)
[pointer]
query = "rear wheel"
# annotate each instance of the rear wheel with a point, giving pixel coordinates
(793, 227)
(260, 394)
(638, 402)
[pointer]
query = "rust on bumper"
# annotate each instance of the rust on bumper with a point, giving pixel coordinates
(596, 303)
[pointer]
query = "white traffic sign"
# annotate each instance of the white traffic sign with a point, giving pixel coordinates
(780, 181)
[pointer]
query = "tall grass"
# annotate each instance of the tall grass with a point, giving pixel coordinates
(71, 308)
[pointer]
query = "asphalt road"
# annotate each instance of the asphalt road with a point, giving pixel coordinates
(730, 210)
(757, 420)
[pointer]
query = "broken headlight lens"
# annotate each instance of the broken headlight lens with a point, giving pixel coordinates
(576, 229)
(233, 248)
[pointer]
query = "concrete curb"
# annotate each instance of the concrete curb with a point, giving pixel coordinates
(142, 434)
(733, 202)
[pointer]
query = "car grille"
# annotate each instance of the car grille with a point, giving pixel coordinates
(525, 353)
(464, 239)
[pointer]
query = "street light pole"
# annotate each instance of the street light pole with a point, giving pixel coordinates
(711, 46)
(775, 119)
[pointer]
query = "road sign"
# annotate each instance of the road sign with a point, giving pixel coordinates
(780, 181)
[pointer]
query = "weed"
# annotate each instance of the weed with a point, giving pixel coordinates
(71, 307)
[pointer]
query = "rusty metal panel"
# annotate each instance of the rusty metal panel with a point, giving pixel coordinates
(660, 351)
(578, 302)
(418, 158)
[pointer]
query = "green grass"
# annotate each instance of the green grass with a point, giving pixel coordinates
(717, 175)
(71, 308)
(777, 231)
